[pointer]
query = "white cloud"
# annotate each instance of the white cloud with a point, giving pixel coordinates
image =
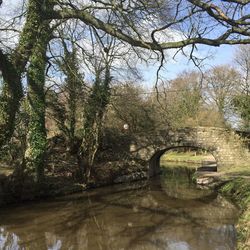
(11, 8)
(10, 18)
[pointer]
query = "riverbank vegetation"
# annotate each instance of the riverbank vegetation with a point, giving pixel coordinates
(239, 190)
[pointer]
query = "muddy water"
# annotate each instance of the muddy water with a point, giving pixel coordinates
(164, 213)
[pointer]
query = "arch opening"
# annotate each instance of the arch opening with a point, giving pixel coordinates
(183, 156)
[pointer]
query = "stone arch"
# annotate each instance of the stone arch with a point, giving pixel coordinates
(227, 147)
(154, 161)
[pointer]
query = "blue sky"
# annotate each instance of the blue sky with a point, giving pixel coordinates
(222, 55)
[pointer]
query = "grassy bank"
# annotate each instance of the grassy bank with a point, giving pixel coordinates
(239, 190)
(190, 156)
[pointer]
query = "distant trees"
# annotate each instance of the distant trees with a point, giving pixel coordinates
(130, 104)
(186, 98)
(222, 83)
(178, 101)
(241, 100)
(191, 99)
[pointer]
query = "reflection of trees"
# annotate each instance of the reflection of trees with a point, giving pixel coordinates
(139, 218)
(7, 239)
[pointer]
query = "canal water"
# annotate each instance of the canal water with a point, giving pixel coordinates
(167, 212)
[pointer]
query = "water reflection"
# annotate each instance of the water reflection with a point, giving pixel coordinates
(160, 214)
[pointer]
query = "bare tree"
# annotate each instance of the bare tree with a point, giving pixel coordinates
(179, 100)
(222, 83)
(130, 105)
(241, 101)
(196, 19)
(242, 59)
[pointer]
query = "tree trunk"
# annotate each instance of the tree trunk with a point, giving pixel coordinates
(36, 138)
(12, 68)
(11, 95)
(89, 147)
(94, 112)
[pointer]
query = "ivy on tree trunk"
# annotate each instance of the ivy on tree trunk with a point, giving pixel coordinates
(12, 67)
(11, 93)
(36, 138)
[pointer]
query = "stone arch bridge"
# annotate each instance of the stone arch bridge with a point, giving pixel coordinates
(228, 147)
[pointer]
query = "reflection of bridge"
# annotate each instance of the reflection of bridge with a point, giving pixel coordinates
(227, 147)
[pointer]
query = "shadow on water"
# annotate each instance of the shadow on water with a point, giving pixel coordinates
(167, 212)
